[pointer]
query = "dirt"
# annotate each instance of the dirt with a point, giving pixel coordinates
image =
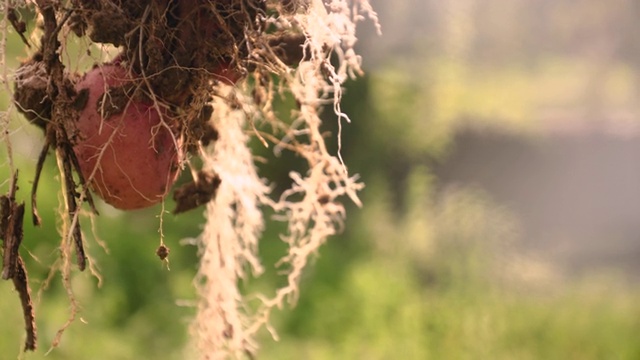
(193, 194)
(30, 92)
(179, 48)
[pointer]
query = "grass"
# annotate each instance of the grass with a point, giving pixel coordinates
(458, 299)
(380, 311)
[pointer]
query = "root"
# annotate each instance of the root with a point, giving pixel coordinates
(20, 282)
(37, 221)
(11, 222)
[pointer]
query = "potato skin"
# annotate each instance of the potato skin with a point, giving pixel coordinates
(129, 159)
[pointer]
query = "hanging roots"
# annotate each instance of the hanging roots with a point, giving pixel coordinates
(194, 78)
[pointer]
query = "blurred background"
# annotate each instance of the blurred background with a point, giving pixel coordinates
(499, 141)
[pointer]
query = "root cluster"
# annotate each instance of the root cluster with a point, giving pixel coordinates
(182, 59)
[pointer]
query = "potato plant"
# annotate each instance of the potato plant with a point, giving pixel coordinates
(187, 79)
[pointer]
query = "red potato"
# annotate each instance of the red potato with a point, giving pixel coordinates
(129, 159)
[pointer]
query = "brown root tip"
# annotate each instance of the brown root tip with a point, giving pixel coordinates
(163, 252)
